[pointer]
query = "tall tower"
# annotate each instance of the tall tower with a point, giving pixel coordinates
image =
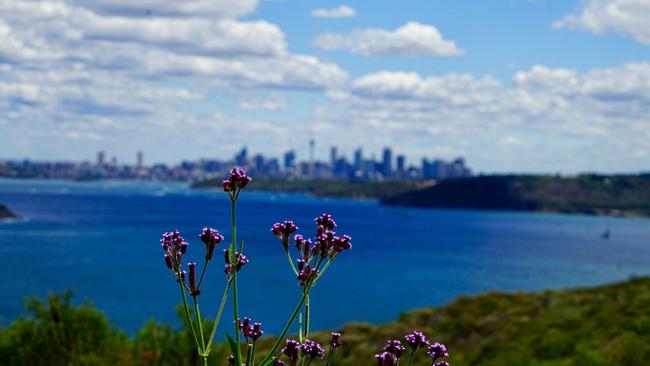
(140, 159)
(101, 158)
(333, 155)
(312, 144)
(386, 165)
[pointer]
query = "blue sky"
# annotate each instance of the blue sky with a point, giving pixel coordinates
(512, 85)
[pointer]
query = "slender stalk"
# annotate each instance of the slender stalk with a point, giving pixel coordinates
(218, 317)
(293, 267)
(411, 358)
(187, 312)
(199, 321)
(249, 353)
(329, 356)
(307, 314)
(300, 328)
(205, 266)
(233, 204)
(280, 338)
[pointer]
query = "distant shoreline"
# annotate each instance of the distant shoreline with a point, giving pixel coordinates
(6, 213)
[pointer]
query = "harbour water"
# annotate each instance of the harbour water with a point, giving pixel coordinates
(101, 240)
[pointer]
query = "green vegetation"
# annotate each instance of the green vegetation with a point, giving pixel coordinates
(324, 187)
(608, 325)
(5, 213)
(617, 195)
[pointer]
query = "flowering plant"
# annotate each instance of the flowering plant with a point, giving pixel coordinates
(314, 257)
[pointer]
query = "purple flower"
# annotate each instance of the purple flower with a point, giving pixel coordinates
(342, 243)
(231, 360)
(437, 350)
(336, 340)
(182, 277)
(291, 348)
(386, 359)
(312, 349)
(169, 262)
(254, 331)
(416, 340)
(283, 231)
(228, 186)
(325, 220)
(236, 179)
(395, 348)
(243, 324)
(192, 267)
(240, 260)
(441, 363)
(278, 362)
(210, 238)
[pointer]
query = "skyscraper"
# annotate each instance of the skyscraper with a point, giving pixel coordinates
(358, 159)
(333, 156)
(101, 158)
(289, 159)
(401, 163)
(140, 159)
(386, 165)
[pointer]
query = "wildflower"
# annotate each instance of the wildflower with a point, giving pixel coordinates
(437, 350)
(325, 220)
(169, 262)
(336, 340)
(239, 177)
(386, 359)
(291, 348)
(298, 239)
(416, 340)
(240, 260)
(312, 349)
(278, 362)
(283, 231)
(210, 238)
(441, 363)
(192, 267)
(342, 243)
(254, 331)
(231, 360)
(228, 186)
(395, 348)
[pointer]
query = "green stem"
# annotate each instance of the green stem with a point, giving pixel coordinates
(205, 266)
(187, 313)
(307, 313)
(233, 254)
(329, 356)
(249, 353)
(411, 358)
(199, 321)
(280, 338)
(293, 267)
(218, 317)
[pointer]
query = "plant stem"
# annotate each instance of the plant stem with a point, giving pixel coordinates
(307, 313)
(233, 204)
(205, 266)
(187, 313)
(411, 358)
(279, 340)
(218, 317)
(293, 267)
(199, 321)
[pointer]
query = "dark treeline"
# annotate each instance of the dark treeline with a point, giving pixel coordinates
(608, 325)
(584, 194)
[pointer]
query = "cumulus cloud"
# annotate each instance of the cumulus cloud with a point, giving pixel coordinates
(628, 17)
(411, 39)
(342, 11)
(273, 103)
(594, 116)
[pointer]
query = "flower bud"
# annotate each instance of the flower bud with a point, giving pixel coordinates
(192, 268)
(169, 262)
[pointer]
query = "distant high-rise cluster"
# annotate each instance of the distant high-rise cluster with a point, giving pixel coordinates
(359, 168)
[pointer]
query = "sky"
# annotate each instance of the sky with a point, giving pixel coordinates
(523, 86)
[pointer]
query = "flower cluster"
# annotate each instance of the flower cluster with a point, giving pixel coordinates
(237, 179)
(283, 231)
(312, 257)
(252, 331)
(174, 247)
(294, 349)
(210, 238)
(393, 350)
(238, 263)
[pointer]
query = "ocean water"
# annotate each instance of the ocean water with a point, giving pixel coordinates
(101, 240)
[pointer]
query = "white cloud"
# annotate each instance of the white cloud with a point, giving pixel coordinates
(342, 11)
(623, 16)
(273, 103)
(148, 8)
(411, 39)
(596, 116)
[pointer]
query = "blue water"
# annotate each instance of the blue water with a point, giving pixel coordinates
(101, 240)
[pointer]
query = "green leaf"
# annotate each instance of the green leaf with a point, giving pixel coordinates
(233, 349)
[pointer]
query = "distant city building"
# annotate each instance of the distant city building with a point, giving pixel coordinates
(337, 167)
(101, 158)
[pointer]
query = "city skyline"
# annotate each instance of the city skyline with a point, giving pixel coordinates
(523, 86)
